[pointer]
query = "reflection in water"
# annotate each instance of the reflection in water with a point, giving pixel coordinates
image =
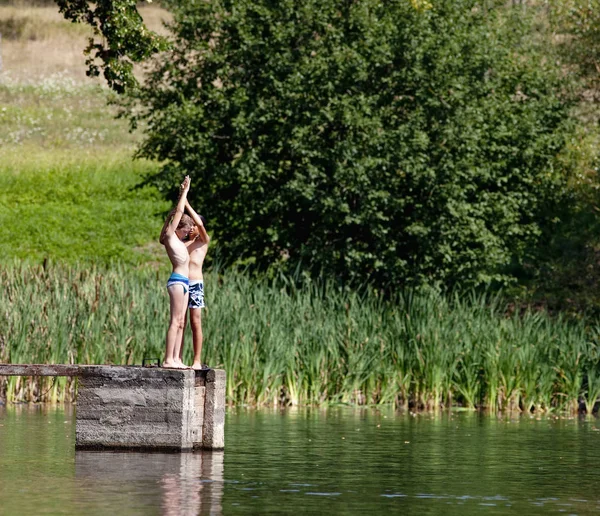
(178, 483)
(308, 461)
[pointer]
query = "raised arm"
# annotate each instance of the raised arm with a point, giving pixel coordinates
(202, 234)
(174, 217)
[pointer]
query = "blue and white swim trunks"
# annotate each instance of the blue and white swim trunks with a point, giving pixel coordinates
(196, 294)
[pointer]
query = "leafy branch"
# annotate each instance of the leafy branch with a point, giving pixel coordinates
(120, 39)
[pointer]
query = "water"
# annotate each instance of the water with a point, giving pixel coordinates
(336, 461)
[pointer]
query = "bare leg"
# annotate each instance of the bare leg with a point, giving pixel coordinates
(180, 334)
(197, 337)
(178, 301)
(183, 336)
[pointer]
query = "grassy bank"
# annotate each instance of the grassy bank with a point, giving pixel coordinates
(77, 207)
(66, 167)
(315, 345)
(67, 177)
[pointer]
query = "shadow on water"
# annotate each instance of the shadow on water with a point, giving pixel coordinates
(178, 484)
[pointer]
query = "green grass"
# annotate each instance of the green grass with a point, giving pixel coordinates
(314, 345)
(67, 199)
(77, 208)
(67, 179)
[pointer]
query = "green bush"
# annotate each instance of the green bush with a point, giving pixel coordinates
(361, 139)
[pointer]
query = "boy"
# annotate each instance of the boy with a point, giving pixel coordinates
(175, 230)
(197, 247)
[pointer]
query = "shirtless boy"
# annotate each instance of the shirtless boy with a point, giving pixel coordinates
(176, 229)
(197, 247)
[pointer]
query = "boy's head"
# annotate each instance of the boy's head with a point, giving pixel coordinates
(195, 231)
(185, 226)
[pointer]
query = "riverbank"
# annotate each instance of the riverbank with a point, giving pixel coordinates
(67, 172)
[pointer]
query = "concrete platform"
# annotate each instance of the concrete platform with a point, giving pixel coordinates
(142, 408)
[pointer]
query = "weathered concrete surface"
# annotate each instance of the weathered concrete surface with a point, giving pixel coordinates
(213, 437)
(135, 408)
(142, 408)
(40, 370)
(198, 422)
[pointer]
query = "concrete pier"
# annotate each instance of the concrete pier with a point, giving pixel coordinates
(142, 408)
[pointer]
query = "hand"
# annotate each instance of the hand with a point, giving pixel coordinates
(185, 186)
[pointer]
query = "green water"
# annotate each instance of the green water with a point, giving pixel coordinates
(336, 461)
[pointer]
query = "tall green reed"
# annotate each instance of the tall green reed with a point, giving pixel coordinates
(315, 344)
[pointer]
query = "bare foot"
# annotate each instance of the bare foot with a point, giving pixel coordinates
(197, 366)
(171, 364)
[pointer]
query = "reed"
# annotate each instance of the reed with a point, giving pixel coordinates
(317, 344)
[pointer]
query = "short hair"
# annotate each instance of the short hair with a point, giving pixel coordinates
(185, 222)
(202, 219)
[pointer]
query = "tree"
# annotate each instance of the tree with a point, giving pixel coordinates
(578, 23)
(404, 141)
(124, 39)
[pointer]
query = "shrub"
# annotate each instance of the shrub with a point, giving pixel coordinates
(398, 142)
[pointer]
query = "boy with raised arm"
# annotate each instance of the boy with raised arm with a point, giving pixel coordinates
(176, 229)
(197, 247)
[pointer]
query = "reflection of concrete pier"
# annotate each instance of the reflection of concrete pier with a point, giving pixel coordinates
(181, 484)
(142, 408)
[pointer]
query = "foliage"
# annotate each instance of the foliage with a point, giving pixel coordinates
(578, 22)
(311, 345)
(564, 275)
(361, 139)
(124, 39)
